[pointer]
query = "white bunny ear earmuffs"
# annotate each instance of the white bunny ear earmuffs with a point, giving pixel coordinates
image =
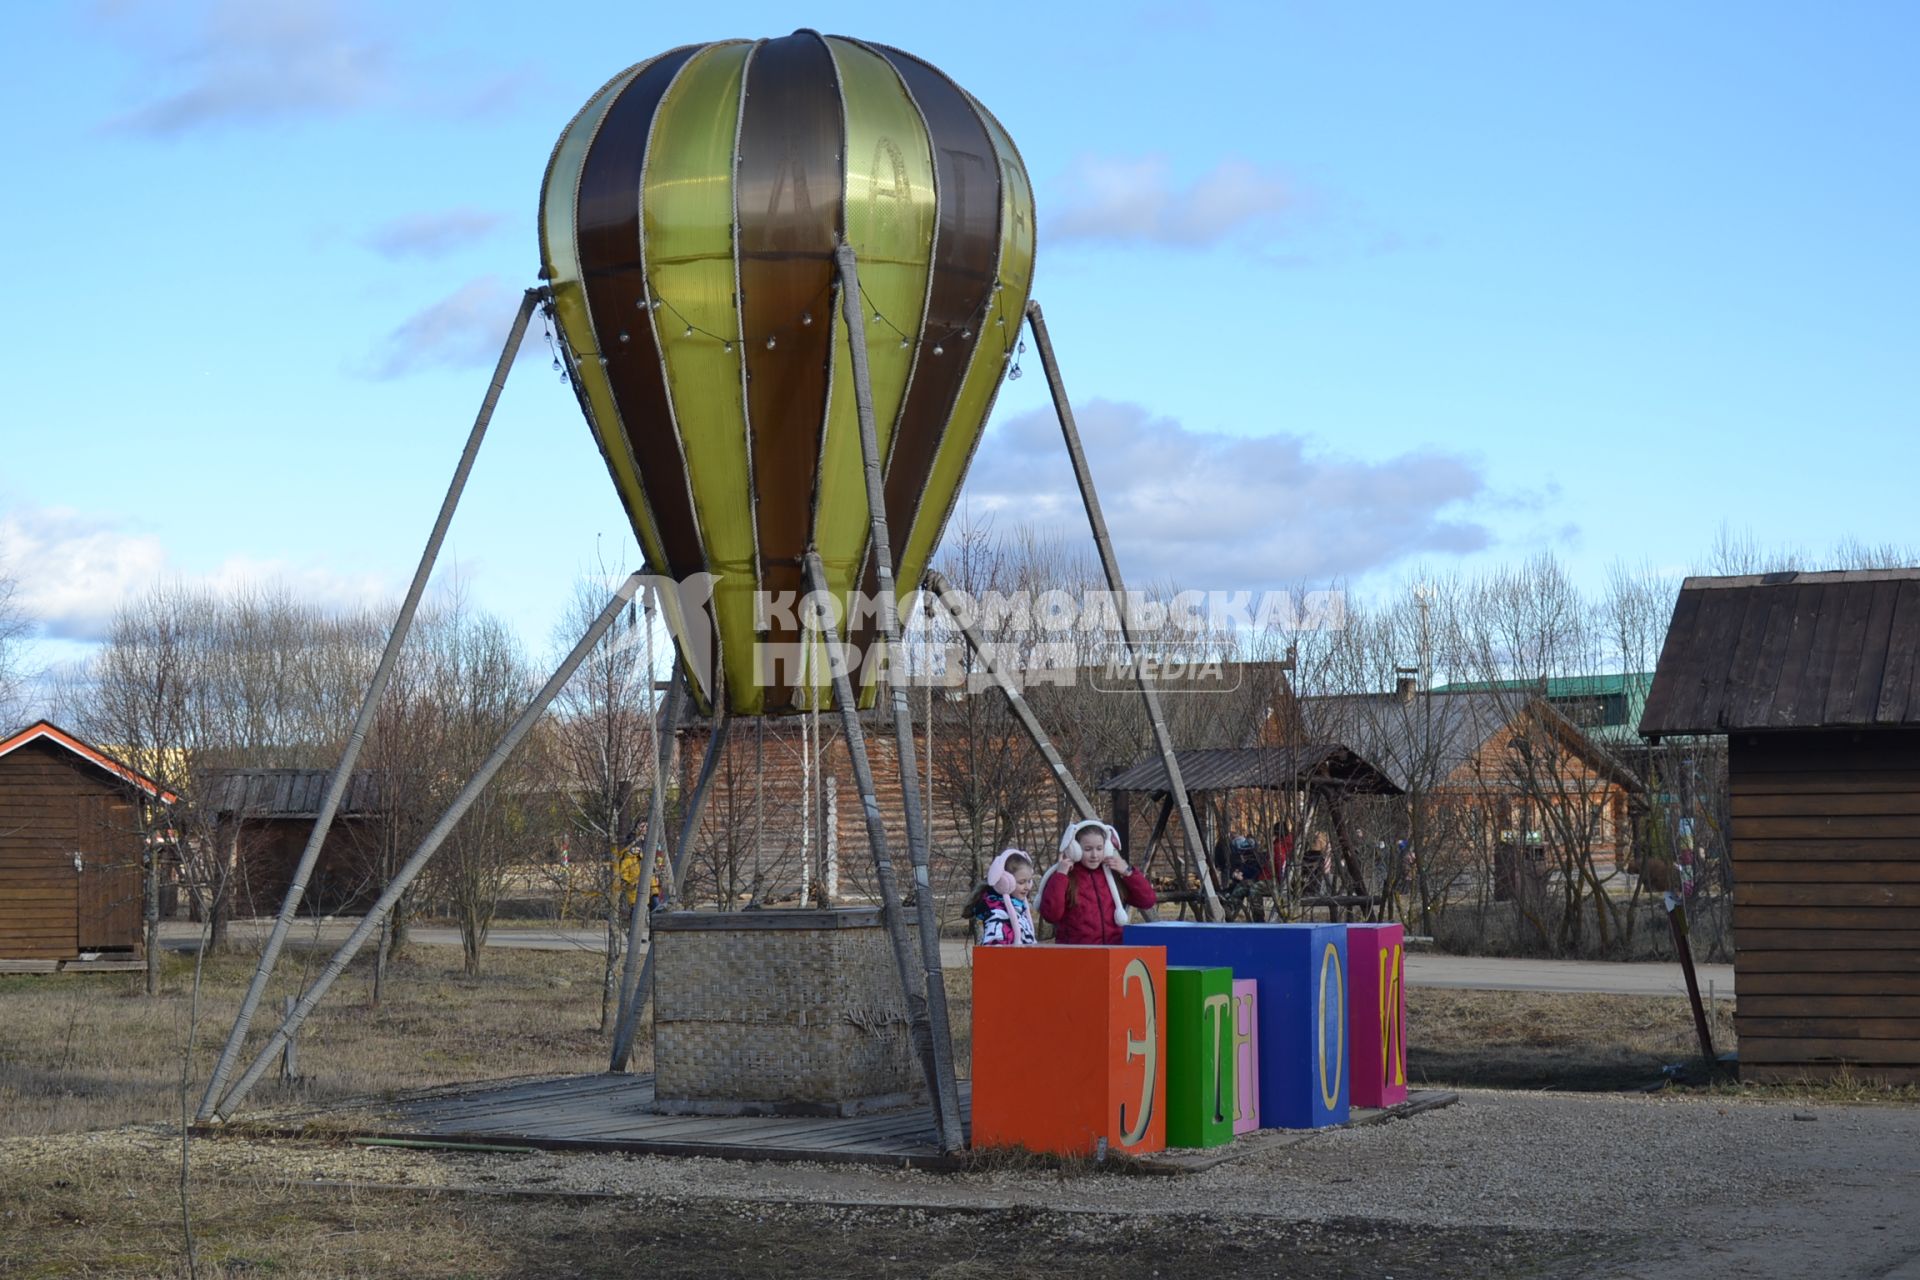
(1113, 846)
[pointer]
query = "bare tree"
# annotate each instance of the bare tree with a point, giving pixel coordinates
(477, 681)
(604, 745)
(987, 779)
(143, 696)
(14, 629)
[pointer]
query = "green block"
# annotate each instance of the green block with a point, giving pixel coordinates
(1199, 1057)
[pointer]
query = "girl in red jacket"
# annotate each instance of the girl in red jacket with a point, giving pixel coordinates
(1086, 894)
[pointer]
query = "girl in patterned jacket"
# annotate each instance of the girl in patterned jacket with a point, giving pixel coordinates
(1001, 903)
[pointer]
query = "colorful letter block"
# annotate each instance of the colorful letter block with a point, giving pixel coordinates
(1302, 974)
(1246, 1055)
(1376, 969)
(1070, 1047)
(1200, 1092)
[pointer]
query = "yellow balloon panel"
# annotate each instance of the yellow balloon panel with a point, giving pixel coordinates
(890, 213)
(688, 205)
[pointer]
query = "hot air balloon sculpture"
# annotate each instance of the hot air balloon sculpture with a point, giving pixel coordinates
(688, 225)
(787, 278)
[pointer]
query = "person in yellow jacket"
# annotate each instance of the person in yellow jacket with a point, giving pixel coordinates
(626, 870)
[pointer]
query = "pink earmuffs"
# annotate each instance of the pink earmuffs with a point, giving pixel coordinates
(1001, 881)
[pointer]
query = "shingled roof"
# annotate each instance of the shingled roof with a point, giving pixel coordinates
(285, 793)
(1790, 651)
(1266, 768)
(1413, 740)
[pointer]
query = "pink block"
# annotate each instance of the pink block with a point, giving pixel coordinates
(1246, 1055)
(1376, 983)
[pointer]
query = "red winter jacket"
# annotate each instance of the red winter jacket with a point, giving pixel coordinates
(1089, 922)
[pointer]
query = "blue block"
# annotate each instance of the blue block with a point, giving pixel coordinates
(1302, 972)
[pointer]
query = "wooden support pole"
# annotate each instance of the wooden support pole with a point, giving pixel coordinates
(633, 1002)
(290, 1056)
(1063, 408)
(371, 922)
(1159, 829)
(1677, 921)
(913, 973)
(363, 720)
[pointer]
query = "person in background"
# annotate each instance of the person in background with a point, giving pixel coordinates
(1282, 852)
(1086, 893)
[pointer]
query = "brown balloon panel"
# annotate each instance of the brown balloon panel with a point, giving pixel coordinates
(689, 219)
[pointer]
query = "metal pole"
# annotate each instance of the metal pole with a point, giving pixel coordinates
(629, 1024)
(946, 1082)
(363, 721)
(656, 818)
(913, 977)
(1081, 473)
(434, 838)
(1024, 713)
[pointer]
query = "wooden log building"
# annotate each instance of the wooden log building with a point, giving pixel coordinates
(261, 822)
(1815, 680)
(72, 837)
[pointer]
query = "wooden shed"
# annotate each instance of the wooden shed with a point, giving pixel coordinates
(1815, 680)
(71, 843)
(263, 818)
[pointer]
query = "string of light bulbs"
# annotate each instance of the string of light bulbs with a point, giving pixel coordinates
(653, 302)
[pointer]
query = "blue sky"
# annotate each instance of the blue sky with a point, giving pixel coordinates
(1338, 287)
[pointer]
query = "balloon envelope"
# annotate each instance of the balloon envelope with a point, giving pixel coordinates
(689, 218)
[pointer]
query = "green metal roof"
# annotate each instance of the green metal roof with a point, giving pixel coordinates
(1631, 686)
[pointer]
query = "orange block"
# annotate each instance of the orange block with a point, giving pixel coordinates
(1069, 1047)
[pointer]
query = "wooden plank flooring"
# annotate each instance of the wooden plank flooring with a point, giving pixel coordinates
(613, 1113)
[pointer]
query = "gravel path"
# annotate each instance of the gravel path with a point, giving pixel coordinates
(1639, 1186)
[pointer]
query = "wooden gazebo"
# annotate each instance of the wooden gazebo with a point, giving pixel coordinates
(1323, 774)
(1815, 680)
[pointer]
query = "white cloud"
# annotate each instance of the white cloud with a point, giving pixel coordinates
(247, 63)
(431, 235)
(74, 570)
(464, 330)
(1219, 511)
(1138, 201)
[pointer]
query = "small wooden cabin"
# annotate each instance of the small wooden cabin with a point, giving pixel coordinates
(71, 844)
(263, 818)
(1815, 680)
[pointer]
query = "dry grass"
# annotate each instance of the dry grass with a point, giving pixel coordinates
(93, 1051)
(1547, 1040)
(106, 1205)
(1842, 1090)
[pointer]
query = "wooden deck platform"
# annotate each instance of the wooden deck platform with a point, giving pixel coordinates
(116, 964)
(613, 1113)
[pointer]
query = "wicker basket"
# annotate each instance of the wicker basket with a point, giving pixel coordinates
(795, 1012)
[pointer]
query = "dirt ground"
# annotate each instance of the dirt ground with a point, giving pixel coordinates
(1503, 1184)
(1612, 1181)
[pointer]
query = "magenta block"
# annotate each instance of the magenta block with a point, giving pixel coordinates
(1246, 1055)
(1376, 981)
